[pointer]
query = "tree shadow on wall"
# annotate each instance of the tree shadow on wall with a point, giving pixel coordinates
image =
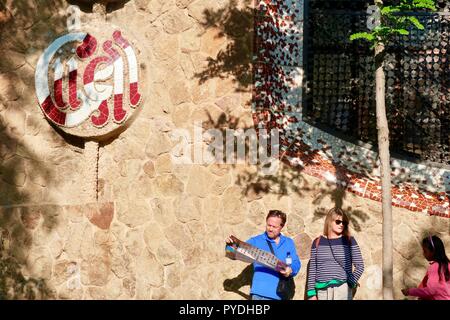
(236, 25)
(337, 195)
(13, 284)
(236, 283)
(23, 173)
(289, 179)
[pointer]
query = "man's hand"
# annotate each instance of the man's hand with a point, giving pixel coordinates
(313, 298)
(229, 241)
(286, 272)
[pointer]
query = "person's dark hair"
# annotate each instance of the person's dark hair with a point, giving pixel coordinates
(277, 213)
(435, 245)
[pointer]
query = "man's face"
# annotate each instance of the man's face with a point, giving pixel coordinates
(273, 227)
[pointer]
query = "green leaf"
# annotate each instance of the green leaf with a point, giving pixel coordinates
(425, 4)
(382, 32)
(401, 19)
(362, 35)
(389, 10)
(401, 31)
(416, 23)
(381, 29)
(396, 21)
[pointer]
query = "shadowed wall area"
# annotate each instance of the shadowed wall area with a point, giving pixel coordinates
(235, 60)
(24, 170)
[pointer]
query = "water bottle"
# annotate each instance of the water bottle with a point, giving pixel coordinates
(288, 259)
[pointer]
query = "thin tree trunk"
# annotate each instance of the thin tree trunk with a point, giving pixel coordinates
(383, 150)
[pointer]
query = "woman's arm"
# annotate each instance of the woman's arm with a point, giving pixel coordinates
(311, 281)
(357, 261)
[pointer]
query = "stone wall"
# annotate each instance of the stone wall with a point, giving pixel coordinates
(158, 229)
(171, 245)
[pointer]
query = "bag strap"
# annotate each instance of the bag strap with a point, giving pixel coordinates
(271, 250)
(349, 244)
(317, 242)
(270, 246)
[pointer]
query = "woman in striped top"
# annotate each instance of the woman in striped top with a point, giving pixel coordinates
(333, 256)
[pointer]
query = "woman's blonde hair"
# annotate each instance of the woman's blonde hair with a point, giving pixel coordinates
(332, 214)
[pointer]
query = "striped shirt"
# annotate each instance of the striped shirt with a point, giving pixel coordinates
(328, 261)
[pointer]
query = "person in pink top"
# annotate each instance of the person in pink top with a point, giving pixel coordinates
(436, 283)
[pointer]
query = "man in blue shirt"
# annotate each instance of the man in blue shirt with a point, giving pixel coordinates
(265, 280)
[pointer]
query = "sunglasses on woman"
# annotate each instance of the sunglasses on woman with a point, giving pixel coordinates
(338, 222)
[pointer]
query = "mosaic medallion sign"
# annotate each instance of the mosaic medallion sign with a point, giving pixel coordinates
(87, 82)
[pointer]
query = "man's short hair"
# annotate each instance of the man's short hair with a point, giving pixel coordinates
(277, 213)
